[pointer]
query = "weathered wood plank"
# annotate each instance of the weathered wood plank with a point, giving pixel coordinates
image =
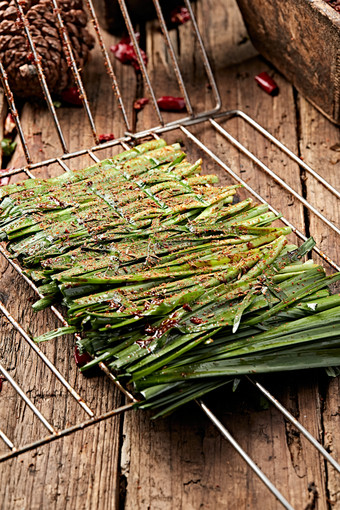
(319, 135)
(79, 471)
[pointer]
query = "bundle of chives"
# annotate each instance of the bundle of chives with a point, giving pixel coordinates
(178, 289)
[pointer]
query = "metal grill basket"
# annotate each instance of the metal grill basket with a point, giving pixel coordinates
(187, 129)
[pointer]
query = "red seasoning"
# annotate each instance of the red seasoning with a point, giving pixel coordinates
(196, 320)
(171, 103)
(267, 83)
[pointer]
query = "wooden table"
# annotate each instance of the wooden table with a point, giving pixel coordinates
(181, 462)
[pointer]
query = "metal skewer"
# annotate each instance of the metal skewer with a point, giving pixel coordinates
(226, 434)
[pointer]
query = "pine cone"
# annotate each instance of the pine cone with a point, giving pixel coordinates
(15, 51)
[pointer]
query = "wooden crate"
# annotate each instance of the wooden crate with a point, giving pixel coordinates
(302, 39)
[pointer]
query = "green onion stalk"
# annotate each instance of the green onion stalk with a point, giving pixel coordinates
(176, 286)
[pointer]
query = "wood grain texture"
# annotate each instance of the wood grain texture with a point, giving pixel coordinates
(79, 471)
(316, 133)
(320, 135)
(180, 462)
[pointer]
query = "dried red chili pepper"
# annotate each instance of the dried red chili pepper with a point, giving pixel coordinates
(106, 137)
(149, 330)
(171, 103)
(71, 96)
(267, 83)
(140, 103)
(179, 16)
(81, 359)
(125, 53)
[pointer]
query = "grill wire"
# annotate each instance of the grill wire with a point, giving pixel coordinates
(209, 119)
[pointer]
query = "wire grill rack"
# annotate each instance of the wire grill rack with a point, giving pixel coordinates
(213, 119)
